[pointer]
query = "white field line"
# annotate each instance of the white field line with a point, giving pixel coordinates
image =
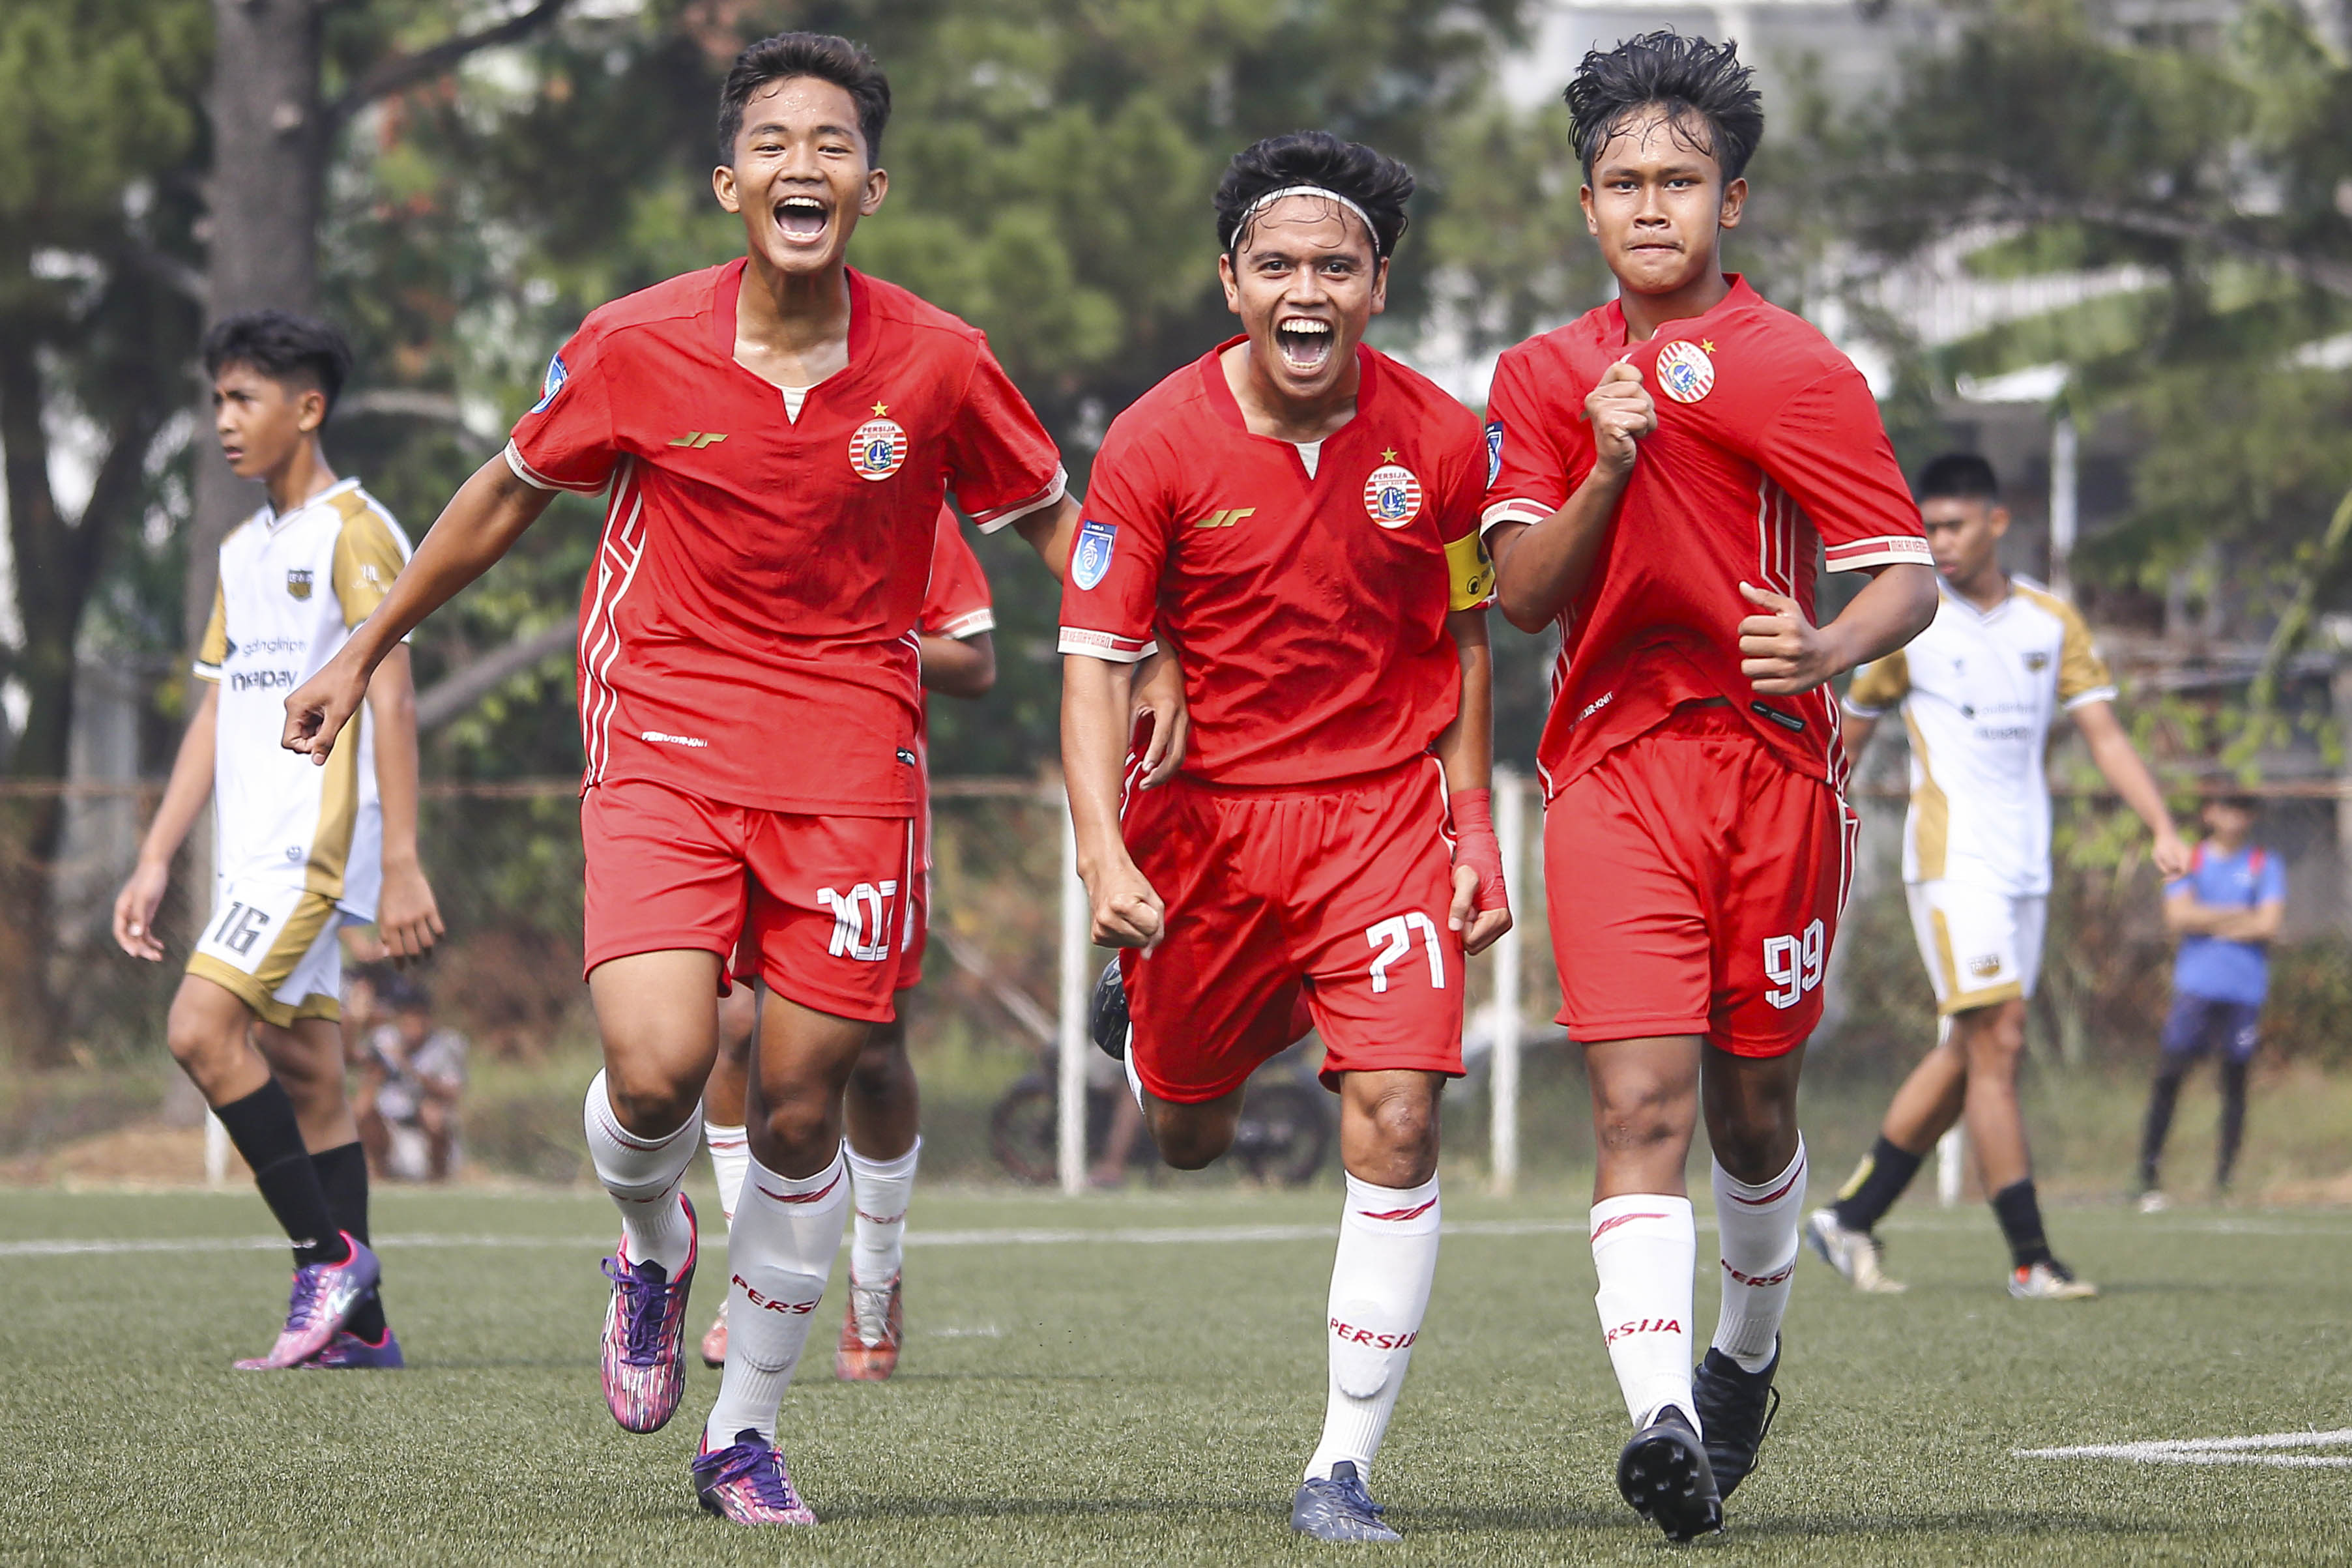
(2259, 1450)
(1133, 1235)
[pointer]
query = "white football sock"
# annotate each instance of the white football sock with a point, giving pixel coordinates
(779, 1255)
(730, 1153)
(1380, 1288)
(643, 1175)
(1645, 1247)
(881, 1189)
(1758, 1227)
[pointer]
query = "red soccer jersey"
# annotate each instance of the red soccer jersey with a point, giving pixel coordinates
(1307, 608)
(747, 633)
(1769, 447)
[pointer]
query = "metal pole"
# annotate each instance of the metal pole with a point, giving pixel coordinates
(1070, 1039)
(2062, 515)
(215, 1150)
(1951, 1162)
(1510, 834)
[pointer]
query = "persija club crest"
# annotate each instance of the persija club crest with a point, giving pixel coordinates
(1393, 495)
(879, 446)
(1686, 373)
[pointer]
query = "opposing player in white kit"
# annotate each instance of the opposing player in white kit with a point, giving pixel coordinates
(299, 851)
(1978, 692)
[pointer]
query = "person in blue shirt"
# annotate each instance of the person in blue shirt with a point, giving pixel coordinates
(2226, 911)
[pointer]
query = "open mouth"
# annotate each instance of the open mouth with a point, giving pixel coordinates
(1304, 343)
(802, 218)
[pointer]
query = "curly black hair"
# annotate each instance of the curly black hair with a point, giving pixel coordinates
(1665, 70)
(1373, 180)
(297, 351)
(845, 64)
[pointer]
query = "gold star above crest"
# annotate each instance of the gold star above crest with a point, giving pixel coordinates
(1707, 343)
(1388, 456)
(880, 409)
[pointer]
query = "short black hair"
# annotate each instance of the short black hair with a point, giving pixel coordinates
(1674, 74)
(300, 350)
(1958, 476)
(1373, 180)
(848, 65)
(402, 994)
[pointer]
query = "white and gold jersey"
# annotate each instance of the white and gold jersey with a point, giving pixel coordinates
(1980, 690)
(292, 588)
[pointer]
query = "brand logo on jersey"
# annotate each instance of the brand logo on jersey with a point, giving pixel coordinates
(879, 446)
(1393, 495)
(262, 681)
(1494, 450)
(297, 582)
(1686, 373)
(2037, 661)
(1226, 519)
(1986, 966)
(552, 383)
(699, 439)
(1090, 560)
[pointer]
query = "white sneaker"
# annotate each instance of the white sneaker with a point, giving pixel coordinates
(1852, 1253)
(2049, 1280)
(2154, 1202)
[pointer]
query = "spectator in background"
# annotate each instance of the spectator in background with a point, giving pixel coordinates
(409, 1084)
(2226, 912)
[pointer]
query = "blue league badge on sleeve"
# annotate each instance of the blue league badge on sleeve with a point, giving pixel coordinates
(1494, 451)
(1090, 560)
(556, 376)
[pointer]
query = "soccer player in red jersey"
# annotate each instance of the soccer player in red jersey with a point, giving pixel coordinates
(1664, 470)
(1295, 516)
(776, 435)
(882, 1106)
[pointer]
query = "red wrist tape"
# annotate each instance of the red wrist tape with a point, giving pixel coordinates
(1475, 846)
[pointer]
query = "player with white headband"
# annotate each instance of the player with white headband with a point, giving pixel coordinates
(1296, 515)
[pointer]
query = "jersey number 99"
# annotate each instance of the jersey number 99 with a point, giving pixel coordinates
(1793, 965)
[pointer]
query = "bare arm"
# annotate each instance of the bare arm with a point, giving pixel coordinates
(1539, 568)
(480, 524)
(190, 787)
(1049, 530)
(1857, 731)
(1095, 693)
(1465, 750)
(1783, 654)
(2120, 763)
(960, 667)
(406, 915)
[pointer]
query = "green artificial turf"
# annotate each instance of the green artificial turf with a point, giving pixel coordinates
(1112, 1400)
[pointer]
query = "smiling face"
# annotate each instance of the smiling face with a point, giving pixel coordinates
(1306, 282)
(803, 174)
(261, 421)
(1657, 202)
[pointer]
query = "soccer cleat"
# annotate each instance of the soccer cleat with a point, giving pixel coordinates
(1107, 1019)
(871, 1331)
(1663, 1473)
(1339, 1508)
(325, 1296)
(349, 1352)
(2049, 1280)
(2153, 1201)
(1855, 1254)
(747, 1482)
(645, 1337)
(1735, 1407)
(714, 1340)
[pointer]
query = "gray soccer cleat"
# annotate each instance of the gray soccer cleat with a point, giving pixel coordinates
(1852, 1253)
(1339, 1508)
(2049, 1280)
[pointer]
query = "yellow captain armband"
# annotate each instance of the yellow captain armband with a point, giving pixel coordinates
(1470, 573)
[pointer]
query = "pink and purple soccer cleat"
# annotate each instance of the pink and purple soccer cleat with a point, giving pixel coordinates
(747, 1482)
(325, 1296)
(645, 1337)
(349, 1352)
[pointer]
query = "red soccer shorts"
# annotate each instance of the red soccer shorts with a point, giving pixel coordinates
(1695, 885)
(1339, 890)
(821, 900)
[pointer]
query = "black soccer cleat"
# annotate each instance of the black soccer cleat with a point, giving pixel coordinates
(1663, 1473)
(1107, 1017)
(1735, 1407)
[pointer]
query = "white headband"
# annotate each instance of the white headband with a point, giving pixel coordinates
(1271, 197)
